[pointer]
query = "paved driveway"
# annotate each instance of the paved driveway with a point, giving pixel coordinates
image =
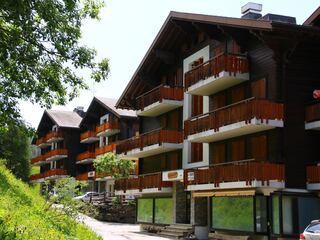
(119, 231)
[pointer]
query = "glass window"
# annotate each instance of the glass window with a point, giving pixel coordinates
(163, 210)
(275, 214)
(233, 213)
(309, 209)
(289, 214)
(261, 214)
(145, 210)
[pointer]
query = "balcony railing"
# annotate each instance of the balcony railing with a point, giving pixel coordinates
(87, 134)
(158, 94)
(238, 112)
(102, 175)
(313, 174)
(85, 155)
(142, 182)
(55, 153)
(53, 135)
(313, 113)
(225, 62)
(38, 160)
(55, 172)
(105, 149)
(157, 136)
(41, 141)
(231, 172)
(106, 126)
(36, 177)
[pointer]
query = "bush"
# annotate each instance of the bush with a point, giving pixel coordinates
(24, 215)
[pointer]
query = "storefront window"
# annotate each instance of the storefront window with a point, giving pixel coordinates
(233, 213)
(309, 209)
(275, 215)
(261, 214)
(145, 210)
(163, 210)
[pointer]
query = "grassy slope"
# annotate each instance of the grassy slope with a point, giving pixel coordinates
(23, 215)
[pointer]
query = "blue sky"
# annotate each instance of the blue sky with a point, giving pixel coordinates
(127, 29)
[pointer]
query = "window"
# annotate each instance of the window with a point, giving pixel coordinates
(261, 214)
(275, 214)
(196, 152)
(145, 210)
(163, 210)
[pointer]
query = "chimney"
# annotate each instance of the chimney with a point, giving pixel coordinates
(251, 11)
(80, 111)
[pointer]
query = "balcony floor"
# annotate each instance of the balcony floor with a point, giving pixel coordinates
(41, 180)
(90, 140)
(214, 84)
(55, 139)
(108, 132)
(159, 108)
(151, 150)
(312, 125)
(85, 161)
(313, 186)
(56, 157)
(164, 190)
(53, 177)
(234, 130)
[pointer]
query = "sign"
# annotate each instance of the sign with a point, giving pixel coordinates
(91, 174)
(175, 175)
(190, 176)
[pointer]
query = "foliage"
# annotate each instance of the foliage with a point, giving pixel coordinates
(24, 215)
(117, 168)
(63, 193)
(15, 148)
(40, 53)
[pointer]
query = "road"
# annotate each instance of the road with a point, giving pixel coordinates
(119, 231)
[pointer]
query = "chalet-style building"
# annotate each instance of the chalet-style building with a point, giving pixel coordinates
(102, 126)
(58, 138)
(227, 131)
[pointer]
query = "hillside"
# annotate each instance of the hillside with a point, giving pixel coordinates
(23, 215)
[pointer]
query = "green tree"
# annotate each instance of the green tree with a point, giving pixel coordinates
(117, 168)
(15, 149)
(40, 52)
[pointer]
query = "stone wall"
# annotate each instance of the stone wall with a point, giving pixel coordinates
(180, 198)
(117, 213)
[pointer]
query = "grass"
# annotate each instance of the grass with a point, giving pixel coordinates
(24, 215)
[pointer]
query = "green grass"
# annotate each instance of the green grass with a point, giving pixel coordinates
(24, 215)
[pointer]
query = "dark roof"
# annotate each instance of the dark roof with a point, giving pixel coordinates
(167, 30)
(67, 119)
(110, 104)
(315, 16)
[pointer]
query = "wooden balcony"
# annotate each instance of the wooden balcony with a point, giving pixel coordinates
(108, 129)
(151, 143)
(89, 137)
(105, 149)
(312, 117)
(159, 100)
(242, 174)
(54, 136)
(42, 142)
(218, 73)
(245, 117)
(56, 154)
(39, 160)
(85, 157)
(100, 176)
(37, 178)
(142, 184)
(86, 176)
(313, 177)
(55, 174)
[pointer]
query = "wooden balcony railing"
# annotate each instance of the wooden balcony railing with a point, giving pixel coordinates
(55, 152)
(238, 112)
(142, 182)
(246, 171)
(231, 63)
(157, 136)
(158, 94)
(313, 174)
(105, 149)
(87, 134)
(85, 155)
(37, 176)
(313, 112)
(55, 172)
(38, 159)
(106, 126)
(54, 134)
(102, 175)
(41, 140)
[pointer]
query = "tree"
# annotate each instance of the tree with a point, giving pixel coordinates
(117, 168)
(40, 52)
(15, 149)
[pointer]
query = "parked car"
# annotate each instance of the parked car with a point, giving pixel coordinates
(312, 232)
(87, 196)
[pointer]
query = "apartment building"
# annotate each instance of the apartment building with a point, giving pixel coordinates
(58, 140)
(101, 128)
(227, 138)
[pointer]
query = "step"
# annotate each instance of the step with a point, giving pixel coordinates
(176, 230)
(170, 234)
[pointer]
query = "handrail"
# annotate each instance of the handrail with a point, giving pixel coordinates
(85, 155)
(87, 134)
(153, 89)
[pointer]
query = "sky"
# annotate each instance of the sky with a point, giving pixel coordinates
(128, 27)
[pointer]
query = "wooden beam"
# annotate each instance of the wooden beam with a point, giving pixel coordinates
(166, 56)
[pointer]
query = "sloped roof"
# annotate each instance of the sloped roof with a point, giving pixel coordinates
(68, 119)
(315, 16)
(110, 103)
